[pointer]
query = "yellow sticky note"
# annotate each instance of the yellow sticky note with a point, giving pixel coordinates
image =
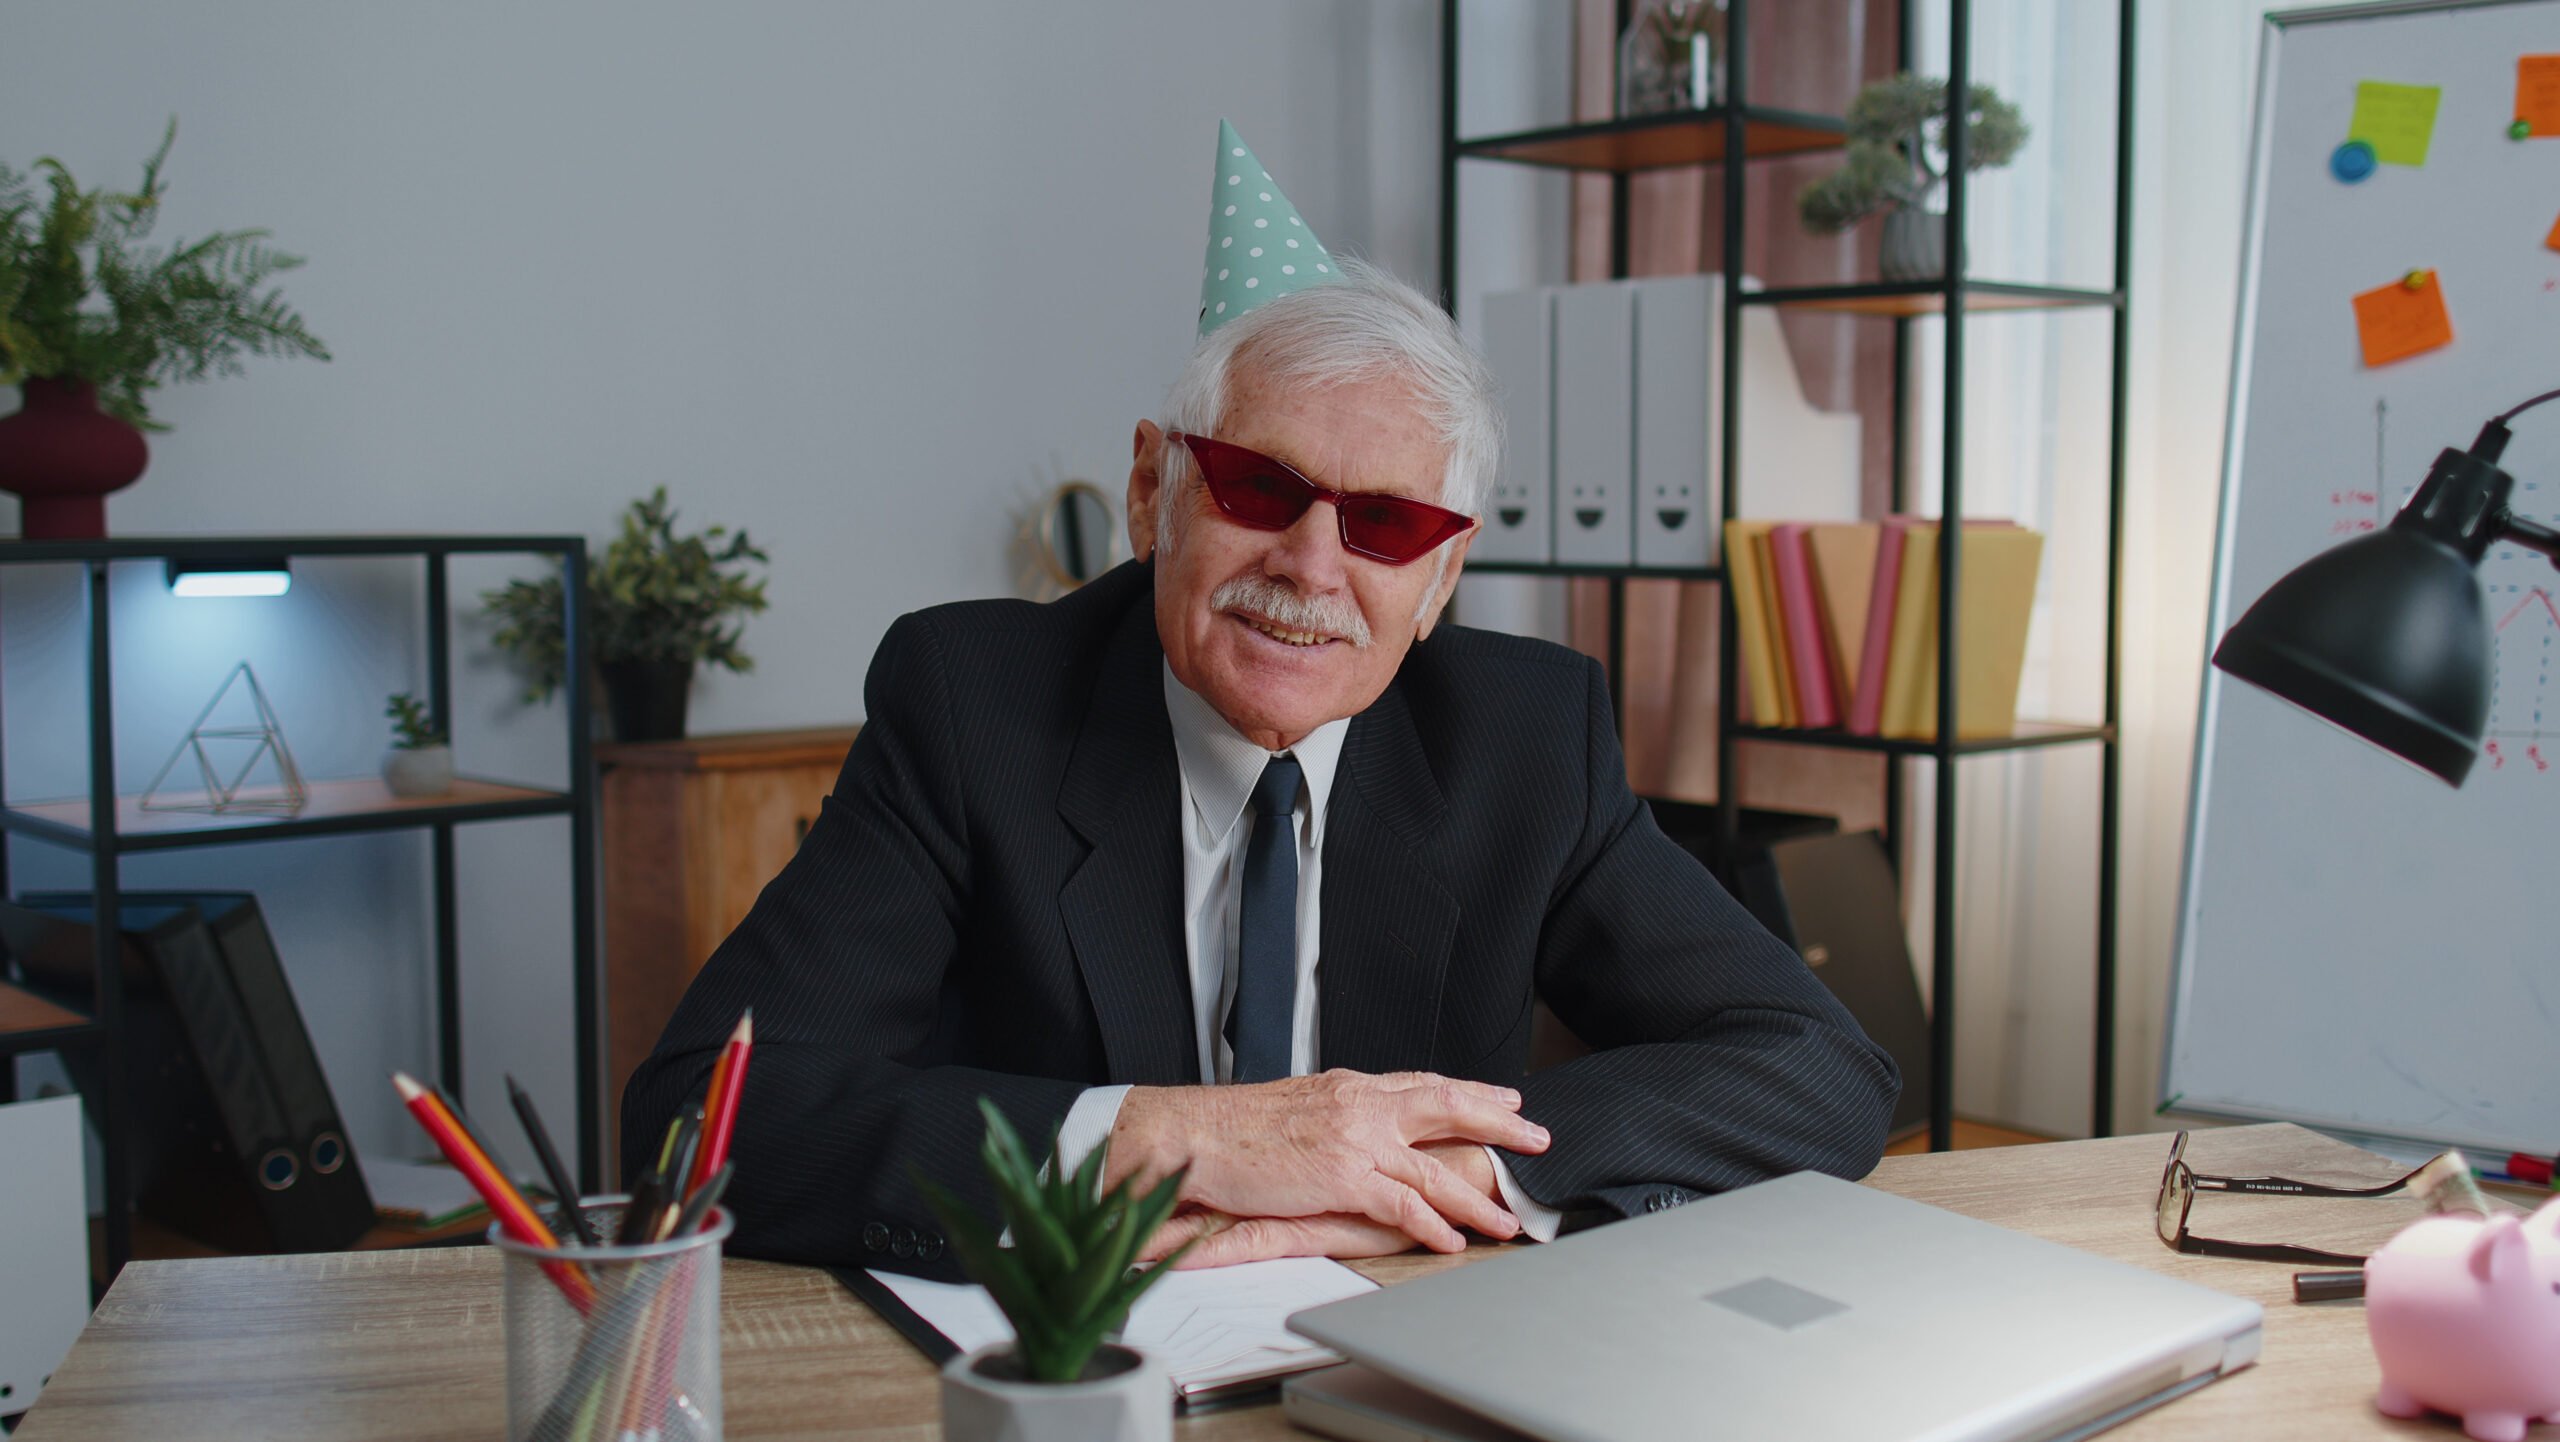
(2399, 320)
(2538, 93)
(2398, 121)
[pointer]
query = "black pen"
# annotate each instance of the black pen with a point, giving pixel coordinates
(563, 1186)
(648, 1195)
(705, 1197)
(2327, 1286)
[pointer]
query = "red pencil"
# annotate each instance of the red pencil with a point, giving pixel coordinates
(720, 1107)
(516, 1217)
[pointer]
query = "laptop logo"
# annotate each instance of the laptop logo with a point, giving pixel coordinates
(1770, 1301)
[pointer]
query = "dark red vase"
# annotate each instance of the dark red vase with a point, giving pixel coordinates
(62, 455)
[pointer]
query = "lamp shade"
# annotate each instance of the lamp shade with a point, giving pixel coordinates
(2387, 636)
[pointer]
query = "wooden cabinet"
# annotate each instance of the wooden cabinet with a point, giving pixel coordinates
(693, 830)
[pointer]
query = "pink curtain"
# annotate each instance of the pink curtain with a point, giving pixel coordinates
(1807, 55)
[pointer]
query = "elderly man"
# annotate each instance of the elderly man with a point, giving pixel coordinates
(1237, 859)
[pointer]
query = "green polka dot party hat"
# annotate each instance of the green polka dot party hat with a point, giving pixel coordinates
(1259, 249)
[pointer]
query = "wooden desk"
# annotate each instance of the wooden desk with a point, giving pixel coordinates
(408, 1345)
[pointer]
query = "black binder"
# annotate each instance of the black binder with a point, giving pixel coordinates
(237, 1139)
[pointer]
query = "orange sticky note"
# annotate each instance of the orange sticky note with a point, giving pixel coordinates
(2553, 239)
(2538, 93)
(2399, 320)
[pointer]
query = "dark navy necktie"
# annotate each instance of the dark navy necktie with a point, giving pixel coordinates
(1260, 1022)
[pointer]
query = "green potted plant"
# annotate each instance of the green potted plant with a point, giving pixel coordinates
(92, 321)
(658, 604)
(1896, 126)
(1066, 1284)
(419, 762)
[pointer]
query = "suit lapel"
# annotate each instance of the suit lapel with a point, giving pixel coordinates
(1388, 921)
(1123, 906)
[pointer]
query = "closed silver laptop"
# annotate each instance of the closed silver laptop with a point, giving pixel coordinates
(1805, 1307)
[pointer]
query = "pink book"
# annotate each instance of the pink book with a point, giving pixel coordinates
(1802, 617)
(1866, 707)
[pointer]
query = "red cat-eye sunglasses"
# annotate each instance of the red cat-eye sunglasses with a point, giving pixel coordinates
(1255, 490)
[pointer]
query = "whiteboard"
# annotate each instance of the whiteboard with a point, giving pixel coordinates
(2360, 946)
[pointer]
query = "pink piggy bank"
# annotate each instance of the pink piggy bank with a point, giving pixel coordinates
(2465, 1317)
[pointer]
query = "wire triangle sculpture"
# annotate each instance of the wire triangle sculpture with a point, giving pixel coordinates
(232, 797)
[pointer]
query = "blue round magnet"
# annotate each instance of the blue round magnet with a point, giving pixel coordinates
(2352, 161)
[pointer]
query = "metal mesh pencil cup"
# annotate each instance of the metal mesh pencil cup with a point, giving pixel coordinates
(612, 1342)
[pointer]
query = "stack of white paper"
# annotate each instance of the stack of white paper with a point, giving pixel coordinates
(1210, 1328)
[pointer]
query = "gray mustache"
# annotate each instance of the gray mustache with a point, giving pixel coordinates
(1284, 607)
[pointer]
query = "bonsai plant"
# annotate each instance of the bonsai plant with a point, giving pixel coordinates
(1895, 125)
(1066, 1285)
(92, 321)
(419, 762)
(657, 604)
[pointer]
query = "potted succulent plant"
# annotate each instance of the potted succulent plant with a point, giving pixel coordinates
(1895, 127)
(1066, 1284)
(92, 321)
(657, 605)
(419, 762)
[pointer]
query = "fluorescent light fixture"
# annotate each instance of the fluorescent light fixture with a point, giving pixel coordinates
(260, 576)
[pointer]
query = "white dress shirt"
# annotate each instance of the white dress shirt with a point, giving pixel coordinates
(1219, 769)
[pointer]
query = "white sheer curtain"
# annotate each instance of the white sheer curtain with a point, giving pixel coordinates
(2035, 450)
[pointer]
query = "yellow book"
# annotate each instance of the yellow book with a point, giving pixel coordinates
(1994, 602)
(1750, 623)
(1844, 571)
(1773, 618)
(1913, 650)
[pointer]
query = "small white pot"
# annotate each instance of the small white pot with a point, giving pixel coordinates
(418, 771)
(1132, 1404)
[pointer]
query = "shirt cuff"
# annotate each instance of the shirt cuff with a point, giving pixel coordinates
(1538, 1222)
(1088, 1124)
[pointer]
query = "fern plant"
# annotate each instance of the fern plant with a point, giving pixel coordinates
(652, 596)
(1067, 1282)
(1895, 127)
(83, 299)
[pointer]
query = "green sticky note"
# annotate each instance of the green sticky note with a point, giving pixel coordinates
(2396, 120)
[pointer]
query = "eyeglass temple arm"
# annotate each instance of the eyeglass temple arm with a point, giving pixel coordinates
(2288, 1187)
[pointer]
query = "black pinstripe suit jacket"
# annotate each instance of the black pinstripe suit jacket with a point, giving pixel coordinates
(990, 904)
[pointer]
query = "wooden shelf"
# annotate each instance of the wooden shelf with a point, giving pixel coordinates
(1903, 299)
(737, 750)
(28, 1022)
(359, 804)
(1612, 573)
(153, 1241)
(2027, 736)
(1660, 142)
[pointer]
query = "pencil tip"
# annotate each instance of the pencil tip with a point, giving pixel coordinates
(747, 1025)
(409, 1090)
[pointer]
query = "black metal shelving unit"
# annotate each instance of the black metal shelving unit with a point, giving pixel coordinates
(1619, 148)
(109, 827)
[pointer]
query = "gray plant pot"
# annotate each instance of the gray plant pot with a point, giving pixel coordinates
(418, 771)
(984, 1400)
(1915, 245)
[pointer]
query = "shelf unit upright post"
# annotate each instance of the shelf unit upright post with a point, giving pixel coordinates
(1733, 134)
(104, 827)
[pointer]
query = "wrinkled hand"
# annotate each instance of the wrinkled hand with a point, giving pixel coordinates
(1223, 1240)
(1342, 1144)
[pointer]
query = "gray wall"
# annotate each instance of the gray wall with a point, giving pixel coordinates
(859, 277)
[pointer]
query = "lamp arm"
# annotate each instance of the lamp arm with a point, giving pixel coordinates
(2532, 535)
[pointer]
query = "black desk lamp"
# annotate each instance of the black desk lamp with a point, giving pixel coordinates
(2387, 635)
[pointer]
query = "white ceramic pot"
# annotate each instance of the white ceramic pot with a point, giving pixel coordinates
(418, 771)
(1915, 245)
(984, 1400)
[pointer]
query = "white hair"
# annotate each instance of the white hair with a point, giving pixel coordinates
(1366, 326)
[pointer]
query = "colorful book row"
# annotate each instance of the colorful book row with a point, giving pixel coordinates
(1839, 624)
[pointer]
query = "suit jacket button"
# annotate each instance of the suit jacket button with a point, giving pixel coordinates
(1653, 1202)
(902, 1242)
(875, 1237)
(929, 1247)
